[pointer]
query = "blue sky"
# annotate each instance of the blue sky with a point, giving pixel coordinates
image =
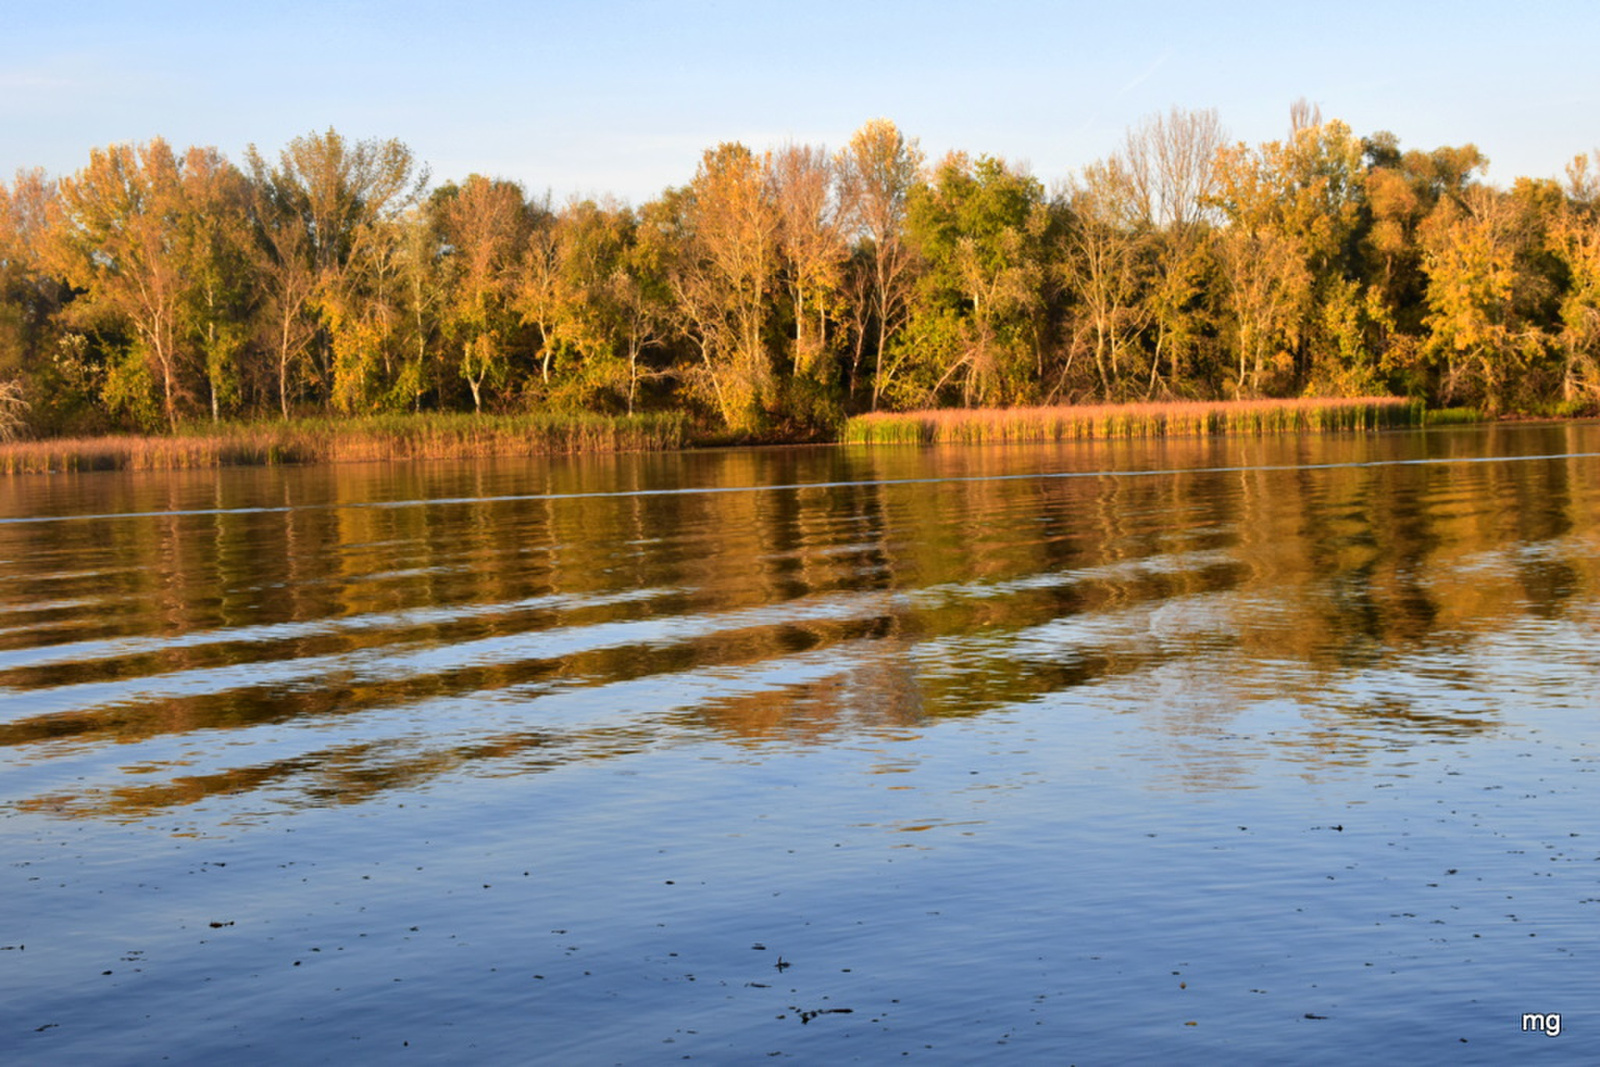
(622, 96)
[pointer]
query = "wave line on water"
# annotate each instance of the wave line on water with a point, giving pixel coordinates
(411, 658)
(514, 498)
(80, 652)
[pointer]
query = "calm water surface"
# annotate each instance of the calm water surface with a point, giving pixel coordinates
(1237, 751)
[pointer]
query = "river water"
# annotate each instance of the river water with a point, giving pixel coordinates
(1263, 750)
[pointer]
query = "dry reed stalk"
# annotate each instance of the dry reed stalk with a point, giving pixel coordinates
(1102, 421)
(378, 438)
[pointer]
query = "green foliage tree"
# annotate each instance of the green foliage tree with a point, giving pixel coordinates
(984, 231)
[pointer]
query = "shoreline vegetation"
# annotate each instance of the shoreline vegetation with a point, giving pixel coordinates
(463, 436)
(165, 308)
(378, 438)
(1194, 419)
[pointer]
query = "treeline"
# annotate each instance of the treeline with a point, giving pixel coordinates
(780, 290)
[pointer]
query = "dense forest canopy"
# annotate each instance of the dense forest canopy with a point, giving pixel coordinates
(779, 290)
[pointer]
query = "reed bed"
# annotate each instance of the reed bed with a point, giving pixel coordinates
(391, 437)
(996, 426)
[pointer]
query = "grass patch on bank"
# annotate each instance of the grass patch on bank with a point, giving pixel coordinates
(1452, 416)
(381, 437)
(1104, 421)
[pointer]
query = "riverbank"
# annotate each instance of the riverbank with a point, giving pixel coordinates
(392, 437)
(466, 436)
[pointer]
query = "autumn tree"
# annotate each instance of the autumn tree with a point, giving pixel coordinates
(1575, 241)
(723, 278)
(420, 368)
(542, 297)
(1401, 190)
(632, 304)
(13, 409)
(319, 211)
(877, 171)
(286, 276)
(119, 237)
(369, 321)
(1484, 290)
(216, 247)
(1170, 163)
(486, 225)
(1321, 186)
(1292, 207)
(30, 300)
(1104, 266)
(607, 304)
(811, 241)
(569, 255)
(1395, 284)
(1263, 265)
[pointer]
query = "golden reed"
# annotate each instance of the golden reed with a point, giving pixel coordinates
(1070, 423)
(394, 437)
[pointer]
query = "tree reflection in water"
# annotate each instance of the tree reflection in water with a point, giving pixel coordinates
(316, 637)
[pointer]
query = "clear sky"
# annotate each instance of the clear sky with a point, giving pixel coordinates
(622, 96)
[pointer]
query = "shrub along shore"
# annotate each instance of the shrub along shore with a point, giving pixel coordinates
(465, 436)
